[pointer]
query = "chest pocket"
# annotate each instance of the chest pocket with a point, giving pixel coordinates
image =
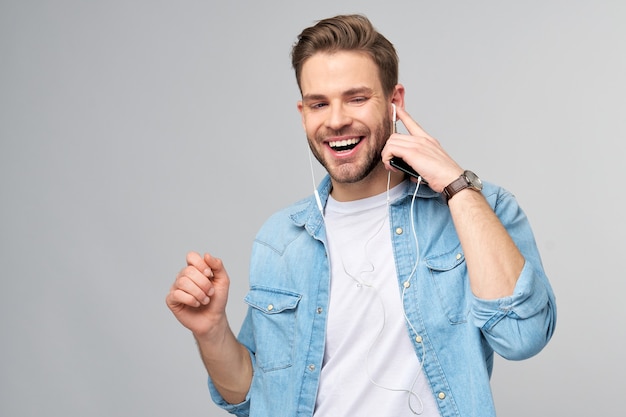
(274, 322)
(449, 274)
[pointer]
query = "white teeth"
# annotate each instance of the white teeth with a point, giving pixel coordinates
(344, 142)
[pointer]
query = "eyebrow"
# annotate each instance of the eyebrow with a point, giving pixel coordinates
(348, 93)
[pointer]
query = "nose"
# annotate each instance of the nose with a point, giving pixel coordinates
(338, 117)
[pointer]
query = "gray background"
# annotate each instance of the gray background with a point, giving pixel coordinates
(135, 131)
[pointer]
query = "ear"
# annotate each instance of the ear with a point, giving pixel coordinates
(397, 97)
(300, 106)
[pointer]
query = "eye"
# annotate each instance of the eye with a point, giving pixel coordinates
(317, 106)
(358, 100)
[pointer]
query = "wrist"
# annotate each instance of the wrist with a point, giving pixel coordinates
(467, 180)
(212, 333)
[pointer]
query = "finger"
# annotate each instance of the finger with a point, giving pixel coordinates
(215, 264)
(411, 125)
(177, 298)
(400, 145)
(196, 260)
(198, 287)
(198, 278)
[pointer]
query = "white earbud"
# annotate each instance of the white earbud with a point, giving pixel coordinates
(393, 106)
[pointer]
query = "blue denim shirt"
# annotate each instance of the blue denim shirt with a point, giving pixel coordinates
(284, 328)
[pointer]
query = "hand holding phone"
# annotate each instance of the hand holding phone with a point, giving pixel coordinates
(399, 163)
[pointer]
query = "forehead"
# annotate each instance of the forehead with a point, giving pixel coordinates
(330, 73)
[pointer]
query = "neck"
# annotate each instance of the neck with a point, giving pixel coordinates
(375, 183)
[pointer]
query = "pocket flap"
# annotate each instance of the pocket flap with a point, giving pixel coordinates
(272, 300)
(446, 261)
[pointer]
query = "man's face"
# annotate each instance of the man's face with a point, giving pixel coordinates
(345, 114)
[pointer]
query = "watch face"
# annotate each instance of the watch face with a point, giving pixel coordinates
(474, 181)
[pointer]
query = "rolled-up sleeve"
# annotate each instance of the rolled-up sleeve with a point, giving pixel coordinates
(519, 326)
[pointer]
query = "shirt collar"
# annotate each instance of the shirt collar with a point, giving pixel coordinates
(306, 213)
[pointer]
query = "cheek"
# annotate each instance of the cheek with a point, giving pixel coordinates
(311, 124)
(383, 132)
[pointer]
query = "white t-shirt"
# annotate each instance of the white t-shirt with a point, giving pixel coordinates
(370, 367)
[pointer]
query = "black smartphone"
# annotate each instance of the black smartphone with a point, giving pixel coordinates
(398, 163)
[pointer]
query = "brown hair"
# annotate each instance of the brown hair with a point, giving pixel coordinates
(347, 33)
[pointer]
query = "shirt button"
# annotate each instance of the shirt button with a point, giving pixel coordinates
(399, 230)
(441, 395)
(311, 367)
(418, 338)
(458, 256)
(406, 284)
(270, 307)
(319, 310)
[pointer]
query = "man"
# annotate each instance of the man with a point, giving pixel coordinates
(378, 295)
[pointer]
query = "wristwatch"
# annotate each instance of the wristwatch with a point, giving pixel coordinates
(467, 180)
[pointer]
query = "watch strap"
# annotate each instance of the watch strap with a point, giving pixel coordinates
(455, 186)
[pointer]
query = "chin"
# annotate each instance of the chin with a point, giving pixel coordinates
(348, 175)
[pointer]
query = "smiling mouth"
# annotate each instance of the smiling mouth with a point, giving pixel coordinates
(344, 145)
